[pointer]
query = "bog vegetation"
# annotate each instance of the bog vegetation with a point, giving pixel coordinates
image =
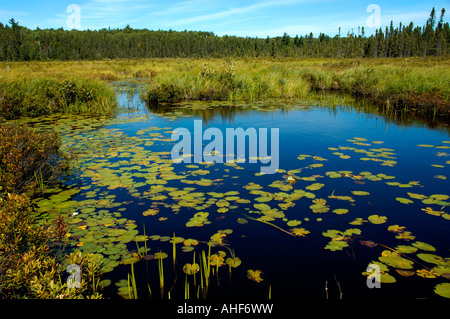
(34, 82)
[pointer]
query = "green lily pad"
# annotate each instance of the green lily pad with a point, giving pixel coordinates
(375, 219)
(423, 246)
(431, 258)
(233, 262)
(340, 211)
(315, 186)
(443, 289)
(360, 193)
(261, 207)
(336, 245)
(395, 260)
(404, 200)
(404, 249)
(191, 269)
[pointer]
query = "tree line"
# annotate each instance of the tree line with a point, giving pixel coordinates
(18, 43)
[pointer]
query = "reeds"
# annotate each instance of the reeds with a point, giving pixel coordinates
(44, 96)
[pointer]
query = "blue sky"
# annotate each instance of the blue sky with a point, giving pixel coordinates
(260, 18)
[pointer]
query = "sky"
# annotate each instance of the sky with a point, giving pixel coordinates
(252, 18)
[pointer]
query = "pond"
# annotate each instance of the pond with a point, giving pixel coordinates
(358, 208)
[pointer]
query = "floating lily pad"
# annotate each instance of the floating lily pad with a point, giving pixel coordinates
(340, 211)
(375, 219)
(255, 275)
(360, 193)
(431, 258)
(395, 260)
(404, 200)
(423, 246)
(191, 269)
(443, 289)
(233, 262)
(315, 186)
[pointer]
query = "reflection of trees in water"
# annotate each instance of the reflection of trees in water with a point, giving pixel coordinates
(227, 110)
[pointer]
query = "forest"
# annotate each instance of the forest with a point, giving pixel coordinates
(19, 43)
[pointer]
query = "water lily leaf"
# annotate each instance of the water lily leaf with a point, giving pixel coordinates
(263, 199)
(340, 211)
(315, 186)
(405, 249)
(318, 208)
(336, 245)
(395, 260)
(431, 258)
(426, 273)
(255, 275)
(300, 232)
(423, 246)
(443, 289)
(368, 243)
(358, 221)
(396, 228)
(150, 212)
(216, 260)
(375, 219)
(242, 221)
(404, 200)
(160, 255)
(261, 207)
(360, 193)
(116, 232)
(293, 223)
(191, 269)
(233, 262)
(405, 272)
(439, 197)
(190, 242)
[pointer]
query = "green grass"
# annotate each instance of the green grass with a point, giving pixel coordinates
(417, 86)
(45, 96)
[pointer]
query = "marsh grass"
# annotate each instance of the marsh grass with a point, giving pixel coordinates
(45, 96)
(414, 86)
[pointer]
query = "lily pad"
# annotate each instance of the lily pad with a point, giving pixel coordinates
(375, 219)
(360, 193)
(423, 246)
(404, 200)
(443, 289)
(233, 262)
(191, 269)
(255, 275)
(340, 211)
(395, 260)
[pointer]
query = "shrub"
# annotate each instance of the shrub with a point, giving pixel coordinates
(29, 159)
(29, 266)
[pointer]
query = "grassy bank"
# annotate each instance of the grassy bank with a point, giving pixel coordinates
(43, 96)
(416, 86)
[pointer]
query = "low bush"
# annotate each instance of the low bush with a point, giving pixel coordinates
(30, 265)
(29, 160)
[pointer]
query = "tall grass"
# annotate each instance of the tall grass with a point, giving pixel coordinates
(419, 85)
(44, 96)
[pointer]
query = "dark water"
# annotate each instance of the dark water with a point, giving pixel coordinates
(294, 267)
